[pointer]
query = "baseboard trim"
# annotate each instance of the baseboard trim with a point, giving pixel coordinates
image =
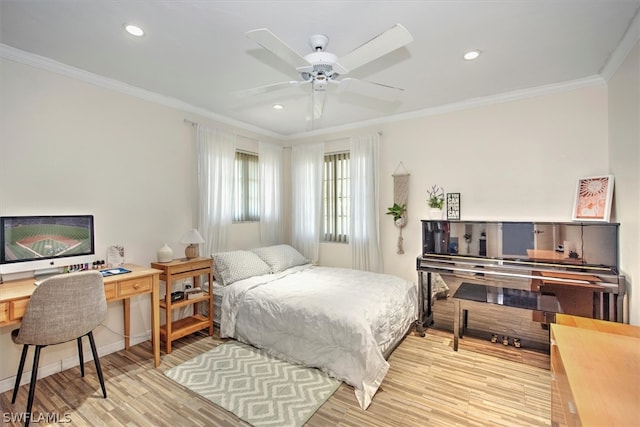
(67, 362)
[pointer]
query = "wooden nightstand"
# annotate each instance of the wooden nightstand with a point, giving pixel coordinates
(180, 269)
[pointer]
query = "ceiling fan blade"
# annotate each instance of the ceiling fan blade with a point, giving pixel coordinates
(267, 89)
(388, 41)
(373, 90)
(273, 44)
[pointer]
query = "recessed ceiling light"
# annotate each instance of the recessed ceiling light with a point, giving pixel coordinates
(471, 55)
(133, 30)
(278, 106)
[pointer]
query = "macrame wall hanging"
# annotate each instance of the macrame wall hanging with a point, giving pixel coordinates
(400, 200)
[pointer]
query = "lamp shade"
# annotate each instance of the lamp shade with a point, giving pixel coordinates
(192, 236)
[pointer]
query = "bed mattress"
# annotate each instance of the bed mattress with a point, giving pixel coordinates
(439, 289)
(341, 321)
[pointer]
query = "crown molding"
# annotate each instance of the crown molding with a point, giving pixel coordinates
(629, 40)
(48, 64)
(464, 105)
(45, 63)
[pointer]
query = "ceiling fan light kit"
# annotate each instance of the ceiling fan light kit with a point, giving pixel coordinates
(320, 68)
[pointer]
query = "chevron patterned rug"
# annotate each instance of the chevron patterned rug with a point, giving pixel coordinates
(255, 386)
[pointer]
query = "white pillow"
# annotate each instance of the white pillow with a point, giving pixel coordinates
(280, 257)
(229, 267)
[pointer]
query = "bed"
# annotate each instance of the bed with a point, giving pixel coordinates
(342, 321)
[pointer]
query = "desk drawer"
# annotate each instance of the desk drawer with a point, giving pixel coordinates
(110, 291)
(17, 308)
(4, 312)
(135, 286)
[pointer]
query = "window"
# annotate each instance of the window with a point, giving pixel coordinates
(246, 198)
(335, 198)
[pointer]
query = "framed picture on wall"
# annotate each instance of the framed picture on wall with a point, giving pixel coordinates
(453, 206)
(594, 196)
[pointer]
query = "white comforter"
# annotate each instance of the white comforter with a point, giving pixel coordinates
(338, 320)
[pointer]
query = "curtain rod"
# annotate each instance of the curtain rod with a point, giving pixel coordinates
(347, 137)
(194, 124)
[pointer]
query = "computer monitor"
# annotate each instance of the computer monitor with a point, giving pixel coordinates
(32, 243)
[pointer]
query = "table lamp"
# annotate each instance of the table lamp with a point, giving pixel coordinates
(192, 238)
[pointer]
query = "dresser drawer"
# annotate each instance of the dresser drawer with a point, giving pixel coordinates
(134, 286)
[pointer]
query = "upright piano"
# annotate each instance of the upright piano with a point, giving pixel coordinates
(575, 261)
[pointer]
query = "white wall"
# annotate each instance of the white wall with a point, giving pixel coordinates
(518, 160)
(70, 147)
(624, 135)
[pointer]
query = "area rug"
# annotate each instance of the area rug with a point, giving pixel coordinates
(255, 386)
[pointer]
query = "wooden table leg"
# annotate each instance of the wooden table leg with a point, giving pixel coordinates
(168, 312)
(155, 320)
(126, 308)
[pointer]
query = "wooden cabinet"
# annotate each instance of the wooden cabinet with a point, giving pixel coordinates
(595, 366)
(181, 269)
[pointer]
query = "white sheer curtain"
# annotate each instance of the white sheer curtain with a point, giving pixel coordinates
(216, 155)
(270, 162)
(307, 163)
(364, 219)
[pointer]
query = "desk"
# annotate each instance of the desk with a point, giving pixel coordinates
(598, 325)
(14, 297)
(595, 368)
(471, 294)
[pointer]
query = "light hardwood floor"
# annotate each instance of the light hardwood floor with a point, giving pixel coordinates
(483, 384)
(428, 383)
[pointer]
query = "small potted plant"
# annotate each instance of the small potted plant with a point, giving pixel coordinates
(436, 202)
(398, 212)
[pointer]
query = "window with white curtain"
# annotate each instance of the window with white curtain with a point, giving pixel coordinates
(246, 190)
(335, 198)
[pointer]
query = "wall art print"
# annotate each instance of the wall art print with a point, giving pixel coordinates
(453, 206)
(594, 196)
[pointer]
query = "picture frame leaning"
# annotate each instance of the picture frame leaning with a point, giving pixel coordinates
(453, 206)
(593, 200)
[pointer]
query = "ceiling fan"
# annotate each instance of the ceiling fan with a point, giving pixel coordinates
(320, 68)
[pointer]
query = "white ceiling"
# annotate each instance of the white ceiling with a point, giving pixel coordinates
(195, 51)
